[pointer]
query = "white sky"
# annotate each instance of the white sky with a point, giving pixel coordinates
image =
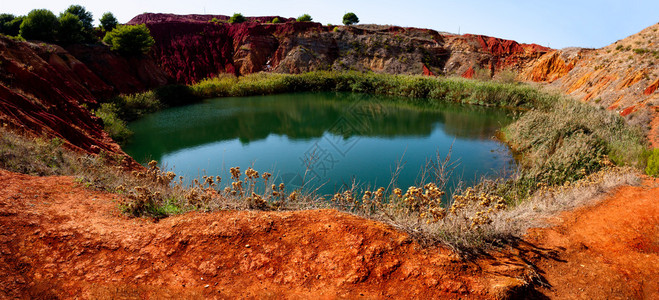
(556, 24)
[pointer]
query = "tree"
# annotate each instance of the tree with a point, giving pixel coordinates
(70, 29)
(108, 22)
(39, 24)
(10, 24)
(276, 20)
(304, 18)
(237, 18)
(350, 18)
(130, 39)
(83, 15)
(13, 27)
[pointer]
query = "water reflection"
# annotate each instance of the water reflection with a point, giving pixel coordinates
(355, 136)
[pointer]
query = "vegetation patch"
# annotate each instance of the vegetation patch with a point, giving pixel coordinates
(487, 93)
(569, 141)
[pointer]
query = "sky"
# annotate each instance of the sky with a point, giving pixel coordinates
(556, 24)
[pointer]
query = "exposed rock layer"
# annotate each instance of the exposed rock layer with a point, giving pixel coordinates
(191, 48)
(47, 90)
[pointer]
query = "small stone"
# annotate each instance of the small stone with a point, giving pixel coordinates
(247, 246)
(206, 286)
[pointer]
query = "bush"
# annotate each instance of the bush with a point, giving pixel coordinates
(130, 39)
(350, 18)
(304, 18)
(39, 24)
(237, 18)
(276, 21)
(112, 124)
(108, 22)
(571, 140)
(70, 29)
(652, 168)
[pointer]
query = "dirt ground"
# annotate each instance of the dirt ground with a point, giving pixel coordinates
(609, 251)
(60, 240)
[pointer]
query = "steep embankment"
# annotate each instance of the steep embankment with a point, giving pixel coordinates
(623, 76)
(191, 48)
(47, 90)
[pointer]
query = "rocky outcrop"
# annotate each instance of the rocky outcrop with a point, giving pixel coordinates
(193, 47)
(46, 90)
(622, 76)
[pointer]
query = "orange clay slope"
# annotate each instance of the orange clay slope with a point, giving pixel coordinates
(59, 239)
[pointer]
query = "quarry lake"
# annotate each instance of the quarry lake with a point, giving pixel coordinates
(324, 141)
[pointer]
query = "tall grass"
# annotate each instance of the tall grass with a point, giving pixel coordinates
(569, 141)
(459, 90)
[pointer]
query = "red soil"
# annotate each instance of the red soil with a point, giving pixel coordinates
(610, 251)
(58, 239)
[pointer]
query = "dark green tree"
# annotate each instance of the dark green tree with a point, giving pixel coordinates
(237, 18)
(84, 16)
(304, 18)
(350, 18)
(39, 24)
(130, 39)
(10, 24)
(13, 27)
(108, 22)
(71, 29)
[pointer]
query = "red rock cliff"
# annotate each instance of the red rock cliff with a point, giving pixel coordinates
(46, 90)
(194, 47)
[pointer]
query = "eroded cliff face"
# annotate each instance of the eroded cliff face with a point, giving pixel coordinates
(194, 47)
(45, 90)
(623, 76)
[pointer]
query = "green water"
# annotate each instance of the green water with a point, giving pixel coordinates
(326, 140)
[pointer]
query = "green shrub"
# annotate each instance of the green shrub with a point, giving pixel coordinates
(276, 21)
(70, 29)
(130, 39)
(39, 24)
(237, 18)
(350, 18)
(108, 22)
(572, 139)
(652, 168)
(304, 18)
(112, 123)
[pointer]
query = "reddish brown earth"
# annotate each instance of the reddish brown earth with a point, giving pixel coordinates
(609, 251)
(59, 239)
